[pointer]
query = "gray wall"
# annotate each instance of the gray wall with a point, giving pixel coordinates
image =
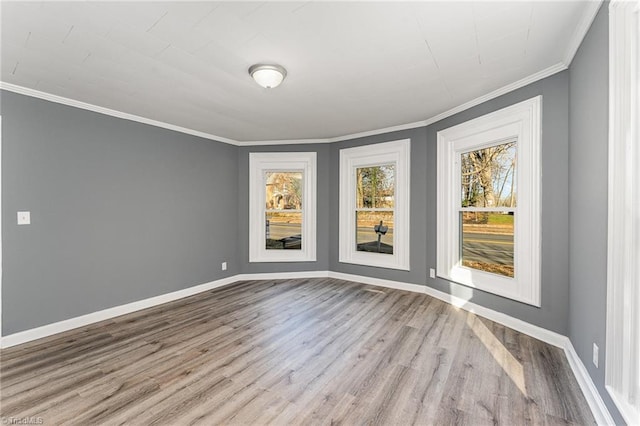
(588, 152)
(99, 190)
(553, 314)
(323, 205)
(120, 211)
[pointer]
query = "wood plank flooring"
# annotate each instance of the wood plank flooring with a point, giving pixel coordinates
(302, 352)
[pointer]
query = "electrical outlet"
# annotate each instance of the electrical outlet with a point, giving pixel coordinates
(432, 273)
(24, 218)
(595, 355)
(224, 266)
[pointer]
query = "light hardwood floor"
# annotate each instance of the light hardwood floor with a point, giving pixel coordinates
(314, 351)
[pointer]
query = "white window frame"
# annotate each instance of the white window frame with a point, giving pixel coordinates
(397, 153)
(622, 375)
(259, 164)
(520, 122)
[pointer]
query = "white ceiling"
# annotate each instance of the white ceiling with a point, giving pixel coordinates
(352, 66)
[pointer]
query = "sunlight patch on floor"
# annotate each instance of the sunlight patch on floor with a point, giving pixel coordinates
(503, 357)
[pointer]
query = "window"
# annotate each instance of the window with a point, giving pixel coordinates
(623, 268)
(489, 202)
(375, 191)
(374, 205)
(487, 208)
(282, 199)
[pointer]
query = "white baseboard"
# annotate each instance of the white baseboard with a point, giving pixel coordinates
(282, 275)
(105, 314)
(539, 333)
(547, 336)
(109, 313)
(591, 394)
(596, 404)
(599, 409)
(378, 282)
(69, 324)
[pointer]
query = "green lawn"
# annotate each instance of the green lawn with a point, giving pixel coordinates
(500, 219)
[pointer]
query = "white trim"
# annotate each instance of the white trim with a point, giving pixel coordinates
(116, 311)
(397, 153)
(589, 390)
(590, 11)
(416, 288)
(547, 72)
(281, 275)
(111, 112)
(109, 313)
(0, 227)
(596, 404)
(623, 406)
(276, 142)
(521, 122)
(539, 333)
(0, 214)
(105, 314)
(529, 329)
(261, 162)
(622, 371)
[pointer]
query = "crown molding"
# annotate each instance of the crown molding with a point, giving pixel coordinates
(283, 142)
(400, 127)
(588, 15)
(547, 72)
(107, 111)
(560, 66)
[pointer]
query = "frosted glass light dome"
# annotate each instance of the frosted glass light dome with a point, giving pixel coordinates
(268, 76)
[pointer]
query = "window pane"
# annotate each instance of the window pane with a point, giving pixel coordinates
(487, 241)
(284, 231)
(375, 187)
(283, 190)
(488, 176)
(370, 236)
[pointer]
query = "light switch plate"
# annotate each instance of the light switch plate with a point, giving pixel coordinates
(24, 218)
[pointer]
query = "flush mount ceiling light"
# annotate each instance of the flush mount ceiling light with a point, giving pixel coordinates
(268, 76)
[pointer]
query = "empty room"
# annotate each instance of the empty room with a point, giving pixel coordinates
(316, 212)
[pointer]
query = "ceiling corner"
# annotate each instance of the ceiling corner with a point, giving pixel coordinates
(590, 11)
